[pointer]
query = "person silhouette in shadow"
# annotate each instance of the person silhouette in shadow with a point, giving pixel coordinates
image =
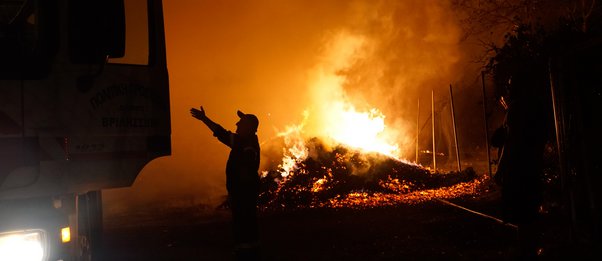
(242, 179)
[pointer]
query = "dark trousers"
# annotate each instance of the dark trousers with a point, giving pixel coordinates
(244, 218)
(244, 226)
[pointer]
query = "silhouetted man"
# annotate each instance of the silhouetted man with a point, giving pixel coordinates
(242, 180)
(520, 167)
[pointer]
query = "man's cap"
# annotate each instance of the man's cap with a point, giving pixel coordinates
(249, 118)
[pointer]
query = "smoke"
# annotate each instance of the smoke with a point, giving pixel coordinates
(274, 59)
(393, 54)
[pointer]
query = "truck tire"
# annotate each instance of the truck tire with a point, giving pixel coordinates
(90, 226)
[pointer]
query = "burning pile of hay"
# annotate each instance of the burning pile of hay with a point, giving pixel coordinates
(343, 177)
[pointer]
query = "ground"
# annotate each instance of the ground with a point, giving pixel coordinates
(426, 231)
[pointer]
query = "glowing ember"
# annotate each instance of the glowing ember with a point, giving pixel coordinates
(343, 177)
(366, 200)
(318, 185)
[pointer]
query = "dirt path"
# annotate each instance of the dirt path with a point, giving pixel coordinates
(429, 231)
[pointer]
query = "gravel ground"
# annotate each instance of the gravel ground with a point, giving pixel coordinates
(426, 231)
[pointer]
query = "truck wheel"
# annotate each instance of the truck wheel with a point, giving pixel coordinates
(90, 225)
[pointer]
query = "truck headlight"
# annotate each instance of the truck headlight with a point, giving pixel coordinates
(23, 245)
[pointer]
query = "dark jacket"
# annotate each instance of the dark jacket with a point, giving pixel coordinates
(243, 162)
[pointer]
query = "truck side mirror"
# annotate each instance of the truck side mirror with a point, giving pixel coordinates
(96, 30)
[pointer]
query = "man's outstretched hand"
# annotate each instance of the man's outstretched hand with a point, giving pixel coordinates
(198, 114)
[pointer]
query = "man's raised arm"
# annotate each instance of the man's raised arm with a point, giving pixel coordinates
(200, 115)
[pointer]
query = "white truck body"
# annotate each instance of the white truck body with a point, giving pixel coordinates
(84, 106)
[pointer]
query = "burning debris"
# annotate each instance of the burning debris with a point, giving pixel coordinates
(346, 177)
(355, 162)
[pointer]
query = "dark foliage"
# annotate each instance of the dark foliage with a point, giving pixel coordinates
(521, 66)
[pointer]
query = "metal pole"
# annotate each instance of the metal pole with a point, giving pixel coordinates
(417, 130)
(502, 222)
(433, 124)
(453, 114)
(486, 125)
(559, 128)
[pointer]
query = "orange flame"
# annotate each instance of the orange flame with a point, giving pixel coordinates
(333, 117)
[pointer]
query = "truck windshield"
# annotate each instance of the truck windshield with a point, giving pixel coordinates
(136, 33)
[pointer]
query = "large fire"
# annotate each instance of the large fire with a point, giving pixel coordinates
(338, 119)
(333, 118)
(360, 130)
(344, 154)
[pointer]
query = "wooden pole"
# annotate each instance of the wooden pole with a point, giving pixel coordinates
(453, 114)
(486, 125)
(417, 131)
(433, 124)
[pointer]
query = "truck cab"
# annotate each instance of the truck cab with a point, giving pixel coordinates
(84, 106)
